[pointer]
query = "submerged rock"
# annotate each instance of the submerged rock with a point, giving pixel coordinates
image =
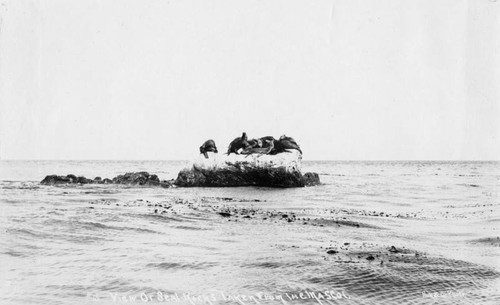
(282, 170)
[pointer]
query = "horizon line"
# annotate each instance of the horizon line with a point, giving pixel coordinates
(312, 160)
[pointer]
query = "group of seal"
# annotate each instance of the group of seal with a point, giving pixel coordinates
(265, 146)
(257, 146)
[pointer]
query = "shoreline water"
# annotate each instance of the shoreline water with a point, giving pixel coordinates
(390, 232)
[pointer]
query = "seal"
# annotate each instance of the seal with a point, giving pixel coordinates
(277, 148)
(266, 140)
(254, 143)
(289, 143)
(237, 144)
(209, 145)
(259, 150)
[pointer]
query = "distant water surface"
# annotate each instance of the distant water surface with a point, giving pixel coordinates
(372, 233)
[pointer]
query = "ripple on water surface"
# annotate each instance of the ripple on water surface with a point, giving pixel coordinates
(64, 244)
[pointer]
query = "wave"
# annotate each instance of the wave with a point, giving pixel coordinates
(404, 278)
(182, 266)
(279, 264)
(493, 241)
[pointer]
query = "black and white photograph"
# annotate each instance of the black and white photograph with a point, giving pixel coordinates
(249, 152)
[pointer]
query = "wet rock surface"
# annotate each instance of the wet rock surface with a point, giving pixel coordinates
(270, 177)
(282, 171)
(138, 178)
(311, 179)
(199, 178)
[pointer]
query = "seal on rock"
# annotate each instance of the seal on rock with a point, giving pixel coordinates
(266, 140)
(255, 143)
(259, 150)
(289, 143)
(237, 144)
(209, 145)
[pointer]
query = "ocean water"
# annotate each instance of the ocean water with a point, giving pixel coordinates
(372, 233)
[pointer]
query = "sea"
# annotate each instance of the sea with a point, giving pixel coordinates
(374, 232)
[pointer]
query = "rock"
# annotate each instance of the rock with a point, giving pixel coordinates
(152, 183)
(394, 250)
(54, 179)
(167, 183)
(311, 179)
(152, 180)
(282, 170)
(83, 180)
(69, 179)
(246, 177)
(139, 178)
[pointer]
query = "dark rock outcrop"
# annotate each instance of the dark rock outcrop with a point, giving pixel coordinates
(83, 180)
(272, 177)
(311, 179)
(139, 178)
(54, 179)
(282, 170)
(255, 170)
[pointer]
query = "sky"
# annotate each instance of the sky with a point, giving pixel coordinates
(152, 80)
